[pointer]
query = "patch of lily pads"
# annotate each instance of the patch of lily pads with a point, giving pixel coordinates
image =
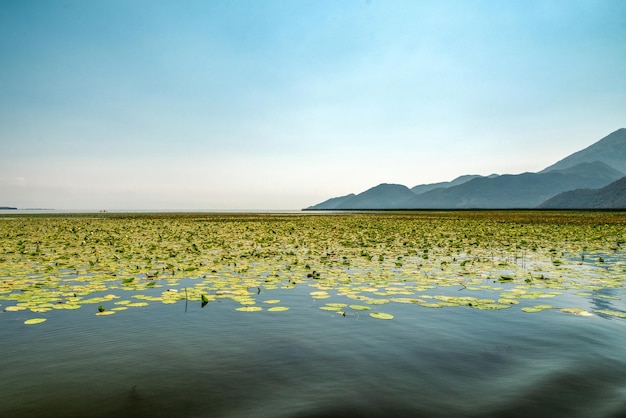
(349, 263)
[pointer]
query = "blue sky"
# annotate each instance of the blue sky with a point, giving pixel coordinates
(256, 104)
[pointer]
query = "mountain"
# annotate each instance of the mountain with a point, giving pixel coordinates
(383, 196)
(525, 190)
(593, 167)
(423, 188)
(333, 202)
(612, 196)
(611, 150)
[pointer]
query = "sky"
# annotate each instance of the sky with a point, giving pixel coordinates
(264, 105)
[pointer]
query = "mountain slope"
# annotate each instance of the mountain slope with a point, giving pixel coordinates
(332, 203)
(593, 167)
(612, 196)
(611, 150)
(525, 190)
(423, 188)
(383, 196)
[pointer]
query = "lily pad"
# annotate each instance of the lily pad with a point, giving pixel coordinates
(360, 307)
(576, 311)
(381, 315)
(35, 321)
(249, 309)
(536, 308)
(278, 309)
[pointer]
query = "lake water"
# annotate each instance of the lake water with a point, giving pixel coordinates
(163, 361)
(431, 360)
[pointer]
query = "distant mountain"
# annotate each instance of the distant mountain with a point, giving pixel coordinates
(612, 196)
(334, 202)
(525, 190)
(611, 150)
(383, 196)
(594, 167)
(423, 188)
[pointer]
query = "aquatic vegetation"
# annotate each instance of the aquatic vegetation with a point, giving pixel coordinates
(353, 262)
(381, 315)
(34, 321)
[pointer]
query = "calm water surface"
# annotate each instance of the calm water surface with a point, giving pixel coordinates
(160, 361)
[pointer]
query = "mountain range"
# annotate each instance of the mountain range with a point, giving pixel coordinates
(577, 181)
(612, 196)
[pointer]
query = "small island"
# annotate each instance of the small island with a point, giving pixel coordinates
(7, 208)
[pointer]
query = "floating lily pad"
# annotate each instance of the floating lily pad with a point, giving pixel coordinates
(337, 305)
(35, 321)
(576, 311)
(536, 308)
(360, 307)
(433, 305)
(278, 309)
(249, 309)
(491, 306)
(611, 313)
(381, 315)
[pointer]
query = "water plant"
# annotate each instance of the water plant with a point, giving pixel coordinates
(354, 262)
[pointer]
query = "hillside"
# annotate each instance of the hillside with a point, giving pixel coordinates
(423, 188)
(525, 190)
(611, 150)
(612, 196)
(334, 202)
(593, 167)
(383, 196)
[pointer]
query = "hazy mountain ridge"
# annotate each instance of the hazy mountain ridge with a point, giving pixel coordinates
(612, 196)
(509, 191)
(334, 202)
(383, 196)
(611, 150)
(423, 188)
(585, 169)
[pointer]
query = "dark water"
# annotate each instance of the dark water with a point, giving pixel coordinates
(160, 361)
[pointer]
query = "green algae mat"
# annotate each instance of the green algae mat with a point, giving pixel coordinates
(356, 265)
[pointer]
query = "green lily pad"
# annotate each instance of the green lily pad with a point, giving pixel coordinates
(35, 321)
(576, 311)
(381, 315)
(611, 313)
(330, 308)
(249, 309)
(136, 304)
(278, 309)
(536, 308)
(360, 307)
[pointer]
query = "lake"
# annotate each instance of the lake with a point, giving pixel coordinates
(464, 338)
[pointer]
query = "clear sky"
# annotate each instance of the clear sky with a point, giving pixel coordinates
(252, 104)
